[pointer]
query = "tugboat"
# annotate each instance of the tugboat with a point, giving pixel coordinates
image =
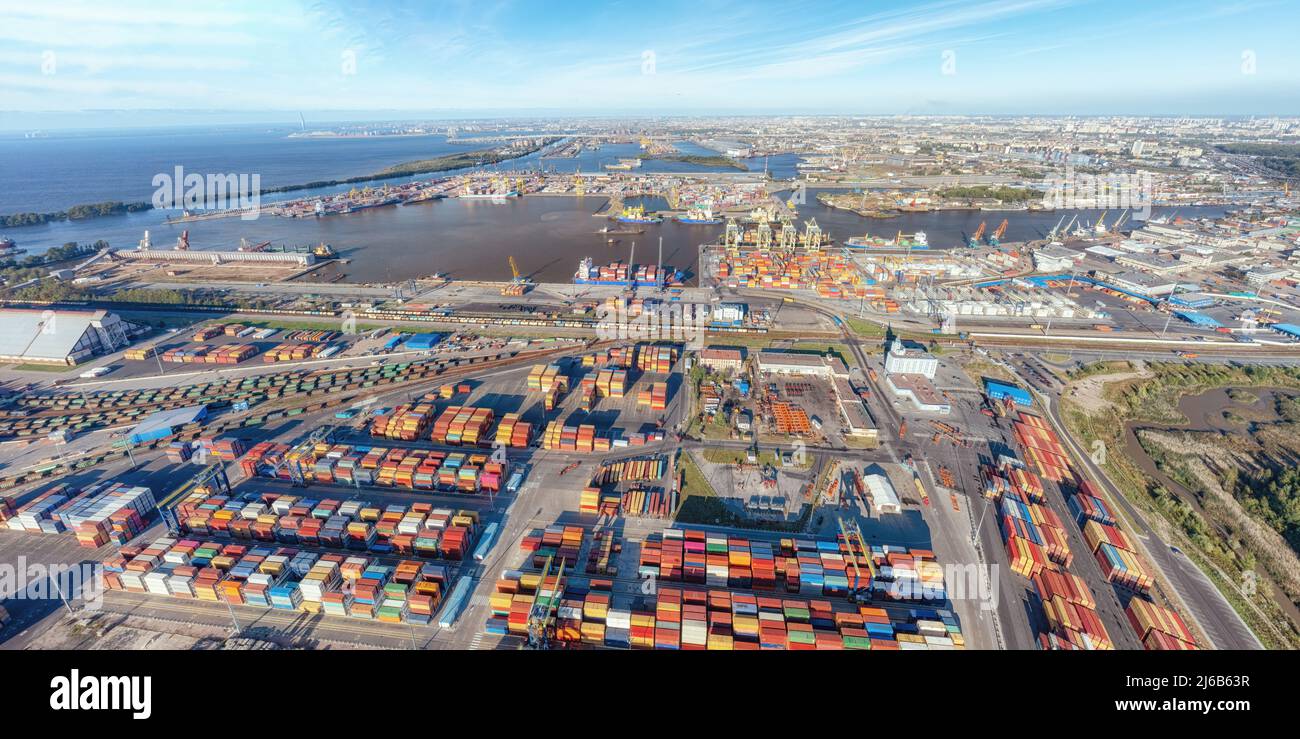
(637, 214)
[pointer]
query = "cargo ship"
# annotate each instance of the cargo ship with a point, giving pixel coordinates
(636, 214)
(480, 191)
(699, 216)
(9, 249)
(488, 195)
(624, 165)
(918, 240)
(622, 274)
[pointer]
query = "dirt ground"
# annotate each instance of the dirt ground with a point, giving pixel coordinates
(1088, 393)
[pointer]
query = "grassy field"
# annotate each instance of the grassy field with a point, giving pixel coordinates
(53, 368)
(978, 368)
(840, 350)
(699, 503)
(864, 328)
(1224, 556)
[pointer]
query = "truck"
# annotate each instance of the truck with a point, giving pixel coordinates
(516, 480)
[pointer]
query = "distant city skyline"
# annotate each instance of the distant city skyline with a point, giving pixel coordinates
(64, 62)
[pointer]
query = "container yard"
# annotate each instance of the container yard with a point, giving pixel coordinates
(511, 343)
(734, 593)
(382, 466)
(419, 530)
(286, 579)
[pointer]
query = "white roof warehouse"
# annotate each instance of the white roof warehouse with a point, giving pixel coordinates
(59, 336)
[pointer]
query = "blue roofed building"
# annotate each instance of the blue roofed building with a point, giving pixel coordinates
(423, 342)
(162, 424)
(1287, 329)
(1002, 390)
(1197, 319)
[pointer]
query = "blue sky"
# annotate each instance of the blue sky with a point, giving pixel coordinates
(669, 56)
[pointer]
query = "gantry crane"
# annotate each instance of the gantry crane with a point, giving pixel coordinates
(859, 587)
(541, 615)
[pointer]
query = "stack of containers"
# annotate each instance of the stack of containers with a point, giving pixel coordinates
(1042, 447)
(224, 448)
(462, 425)
(513, 432)
(178, 452)
(631, 470)
(1123, 567)
(1160, 629)
(611, 383)
(229, 354)
(545, 377)
(647, 503)
(405, 422)
(586, 395)
(1087, 504)
(657, 359)
(116, 513)
(263, 452)
(37, 515)
(589, 500)
(586, 439)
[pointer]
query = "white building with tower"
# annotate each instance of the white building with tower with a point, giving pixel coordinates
(901, 360)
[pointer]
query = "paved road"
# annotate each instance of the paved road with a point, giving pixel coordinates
(1217, 618)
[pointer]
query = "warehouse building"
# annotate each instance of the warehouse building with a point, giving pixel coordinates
(919, 390)
(162, 424)
(1197, 319)
(855, 418)
(884, 499)
(913, 360)
(59, 337)
(784, 363)
(721, 360)
(1001, 391)
(423, 342)
(1289, 330)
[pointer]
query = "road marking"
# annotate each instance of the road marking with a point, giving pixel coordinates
(477, 641)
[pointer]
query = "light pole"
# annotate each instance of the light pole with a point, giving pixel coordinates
(54, 580)
(238, 630)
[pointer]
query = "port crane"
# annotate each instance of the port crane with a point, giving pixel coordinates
(996, 237)
(1100, 227)
(859, 588)
(979, 234)
(212, 476)
(1119, 221)
(541, 615)
(1051, 235)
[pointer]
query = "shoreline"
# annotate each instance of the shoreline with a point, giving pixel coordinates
(119, 207)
